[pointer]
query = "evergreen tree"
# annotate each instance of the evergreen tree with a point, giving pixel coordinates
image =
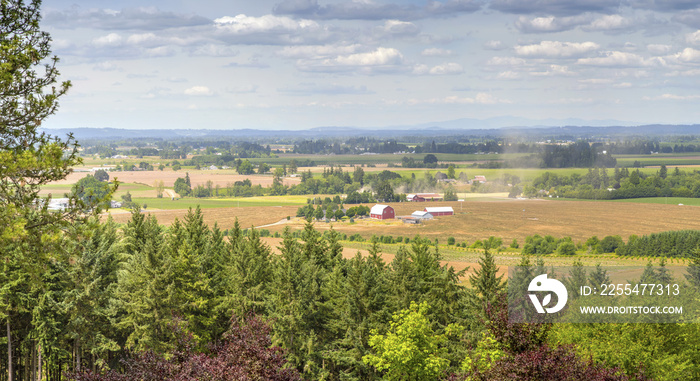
(598, 277)
(486, 285)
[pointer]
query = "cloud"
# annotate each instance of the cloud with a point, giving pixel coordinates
(494, 45)
(693, 38)
(244, 89)
(688, 55)
(480, 98)
(556, 49)
(659, 49)
(379, 60)
(199, 91)
(110, 40)
(396, 27)
(325, 89)
(126, 19)
(664, 5)
(553, 71)
(673, 97)
(317, 51)
(436, 52)
(508, 75)
(106, 66)
(270, 30)
(554, 7)
(550, 24)
(611, 24)
(450, 68)
(689, 18)
(505, 61)
(369, 10)
(616, 59)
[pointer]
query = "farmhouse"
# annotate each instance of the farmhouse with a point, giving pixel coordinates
(420, 197)
(382, 212)
(440, 211)
(480, 179)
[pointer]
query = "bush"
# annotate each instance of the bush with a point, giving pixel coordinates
(451, 241)
(566, 248)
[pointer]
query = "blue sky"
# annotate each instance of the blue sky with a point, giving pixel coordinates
(297, 64)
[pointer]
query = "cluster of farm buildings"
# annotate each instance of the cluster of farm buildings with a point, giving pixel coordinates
(386, 212)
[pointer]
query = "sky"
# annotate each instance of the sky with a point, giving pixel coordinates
(299, 64)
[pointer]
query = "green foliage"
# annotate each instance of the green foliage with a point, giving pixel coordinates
(486, 285)
(670, 244)
(410, 350)
(91, 191)
(182, 188)
(567, 248)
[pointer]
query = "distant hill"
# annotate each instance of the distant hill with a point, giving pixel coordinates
(448, 128)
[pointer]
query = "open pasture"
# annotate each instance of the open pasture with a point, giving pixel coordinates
(517, 219)
(224, 217)
(197, 177)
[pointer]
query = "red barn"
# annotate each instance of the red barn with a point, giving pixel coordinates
(440, 211)
(382, 212)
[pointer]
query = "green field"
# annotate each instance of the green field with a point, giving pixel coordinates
(668, 160)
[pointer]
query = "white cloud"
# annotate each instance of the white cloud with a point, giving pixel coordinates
(480, 98)
(549, 24)
(506, 61)
(673, 97)
(659, 49)
(554, 70)
(106, 66)
(609, 23)
(616, 59)
(693, 38)
(400, 27)
(317, 51)
(436, 52)
(109, 40)
(381, 56)
(199, 91)
(242, 24)
(379, 60)
(556, 49)
(494, 45)
(447, 68)
(688, 55)
(508, 75)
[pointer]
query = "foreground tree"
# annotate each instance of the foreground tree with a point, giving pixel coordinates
(28, 230)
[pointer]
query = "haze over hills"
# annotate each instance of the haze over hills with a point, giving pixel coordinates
(499, 126)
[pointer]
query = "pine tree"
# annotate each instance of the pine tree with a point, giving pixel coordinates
(486, 285)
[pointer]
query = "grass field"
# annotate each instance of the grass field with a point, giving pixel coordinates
(670, 160)
(686, 201)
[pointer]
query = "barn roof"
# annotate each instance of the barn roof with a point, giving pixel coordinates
(439, 209)
(420, 213)
(378, 209)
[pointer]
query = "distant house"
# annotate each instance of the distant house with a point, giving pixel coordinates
(480, 179)
(440, 211)
(382, 212)
(213, 168)
(420, 197)
(115, 204)
(422, 215)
